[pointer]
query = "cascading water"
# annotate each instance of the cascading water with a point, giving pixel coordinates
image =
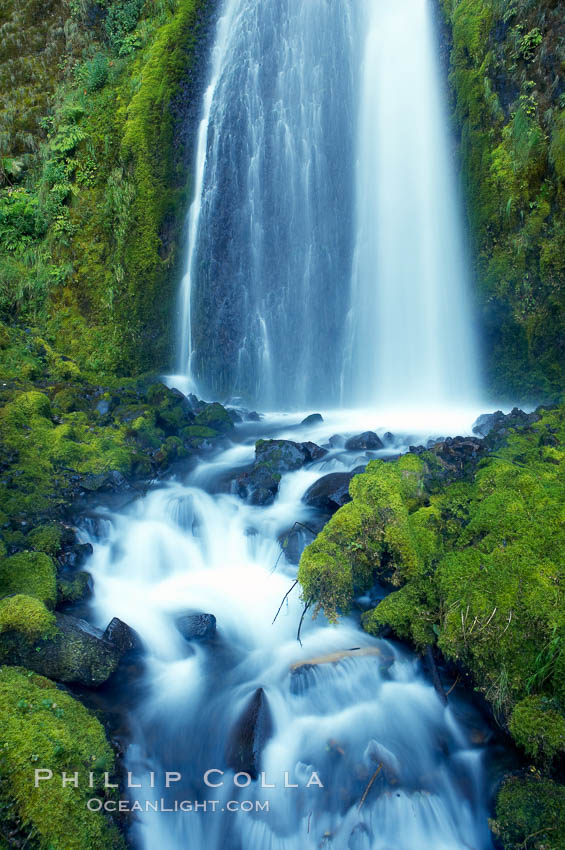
(326, 260)
(398, 767)
(410, 334)
(325, 264)
(270, 236)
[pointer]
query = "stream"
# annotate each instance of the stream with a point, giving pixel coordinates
(373, 758)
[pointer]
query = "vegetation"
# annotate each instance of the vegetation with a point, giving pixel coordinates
(41, 726)
(506, 71)
(478, 566)
(94, 176)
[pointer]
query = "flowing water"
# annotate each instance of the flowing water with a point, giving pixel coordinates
(326, 261)
(325, 266)
(192, 545)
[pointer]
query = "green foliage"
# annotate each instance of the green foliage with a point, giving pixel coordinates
(509, 117)
(46, 538)
(28, 616)
(43, 727)
(538, 727)
(32, 573)
(530, 813)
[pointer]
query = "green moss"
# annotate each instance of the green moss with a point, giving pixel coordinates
(214, 416)
(46, 538)
(369, 537)
(32, 573)
(198, 431)
(530, 812)
(538, 727)
(43, 727)
(26, 615)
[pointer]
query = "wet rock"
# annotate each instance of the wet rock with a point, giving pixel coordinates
(75, 556)
(389, 439)
(314, 451)
(78, 654)
(196, 626)
(502, 424)
(336, 441)
(103, 407)
(486, 422)
(272, 459)
(313, 419)
(295, 541)
(75, 589)
(121, 635)
(367, 440)
(455, 453)
(249, 735)
(214, 416)
(112, 481)
(330, 492)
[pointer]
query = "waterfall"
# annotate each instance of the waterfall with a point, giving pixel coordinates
(410, 334)
(270, 237)
(326, 261)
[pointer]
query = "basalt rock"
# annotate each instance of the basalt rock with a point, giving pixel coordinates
(249, 735)
(313, 419)
(273, 458)
(330, 492)
(77, 654)
(121, 635)
(367, 440)
(196, 626)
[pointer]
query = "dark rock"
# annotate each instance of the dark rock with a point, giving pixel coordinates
(76, 555)
(313, 419)
(281, 455)
(75, 589)
(78, 654)
(314, 452)
(103, 407)
(121, 635)
(456, 454)
(104, 482)
(253, 416)
(196, 626)
(487, 421)
(367, 440)
(249, 736)
(389, 439)
(294, 541)
(330, 492)
(337, 441)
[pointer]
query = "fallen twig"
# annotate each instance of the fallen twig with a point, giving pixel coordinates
(281, 553)
(368, 788)
(287, 594)
(300, 623)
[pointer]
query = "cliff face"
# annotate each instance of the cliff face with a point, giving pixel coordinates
(508, 79)
(95, 171)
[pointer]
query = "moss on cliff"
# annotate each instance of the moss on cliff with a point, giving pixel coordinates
(507, 74)
(91, 213)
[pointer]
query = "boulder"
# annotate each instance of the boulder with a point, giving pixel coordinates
(121, 635)
(249, 735)
(272, 459)
(196, 626)
(330, 492)
(367, 440)
(486, 422)
(77, 654)
(313, 419)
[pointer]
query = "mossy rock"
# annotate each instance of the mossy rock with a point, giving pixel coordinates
(530, 812)
(27, 616)
(46, 538)
(538, 727)
(198, 431)
(215, 416)
(75, 589)
(75, 653)
(43, 727)
(31, 573)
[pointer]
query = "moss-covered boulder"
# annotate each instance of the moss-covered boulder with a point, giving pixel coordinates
(530, 812)
(75, 653)
(43, 727)
(32, 573)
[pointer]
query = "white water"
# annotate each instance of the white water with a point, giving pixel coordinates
(326, 259)
(188, 546)
(410, 325)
